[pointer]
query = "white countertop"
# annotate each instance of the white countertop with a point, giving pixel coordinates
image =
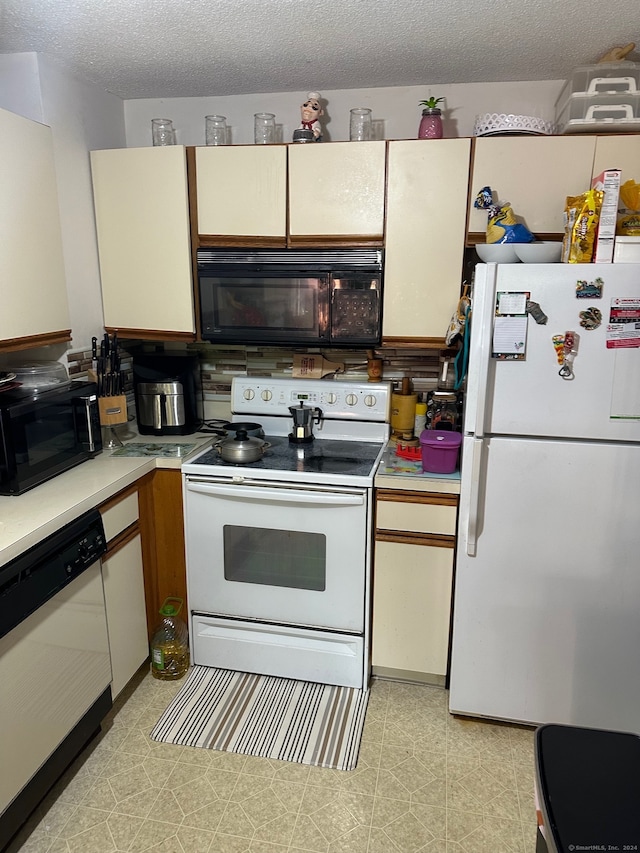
(28, 518)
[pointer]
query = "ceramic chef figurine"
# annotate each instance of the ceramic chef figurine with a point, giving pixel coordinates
(310, 112)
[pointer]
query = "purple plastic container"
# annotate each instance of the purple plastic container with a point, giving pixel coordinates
(440, 450)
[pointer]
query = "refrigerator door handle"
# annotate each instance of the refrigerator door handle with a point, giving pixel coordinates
(484, 344)
(474, 496)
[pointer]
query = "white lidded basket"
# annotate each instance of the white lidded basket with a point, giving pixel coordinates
(494, 124)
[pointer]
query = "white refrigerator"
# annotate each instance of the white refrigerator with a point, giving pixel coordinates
(546, 623)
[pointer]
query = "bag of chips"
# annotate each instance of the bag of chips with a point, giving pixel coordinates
(629, 215)
(503, 226)
(581, 217)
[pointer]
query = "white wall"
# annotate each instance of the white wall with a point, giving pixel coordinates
(397, 106)
(20, 85)
(82, 118)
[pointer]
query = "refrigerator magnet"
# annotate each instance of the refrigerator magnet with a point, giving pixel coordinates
(590, 319)
(536, 312)
(589, 289)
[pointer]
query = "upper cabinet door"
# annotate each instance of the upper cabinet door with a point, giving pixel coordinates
(426, 214)
(142, 220)
(336, 193)
(534, 174)
(618, 152)
(242, 192)
(32, 276)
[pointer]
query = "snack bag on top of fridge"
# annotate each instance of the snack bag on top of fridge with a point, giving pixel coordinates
(629, 210)
(581, 216)
(503, 225)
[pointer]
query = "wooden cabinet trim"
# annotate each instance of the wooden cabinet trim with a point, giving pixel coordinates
(32, 341)
(474, 237)
(192, 199)
(430, 498)
(233, 241)
(162, 529)
(413, 343)
(151, 334)
(433, 539)
(324, 240)
(122, 539)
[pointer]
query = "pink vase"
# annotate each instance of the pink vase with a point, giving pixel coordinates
(430, 124)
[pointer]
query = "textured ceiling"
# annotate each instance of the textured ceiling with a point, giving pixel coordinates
(196, 48)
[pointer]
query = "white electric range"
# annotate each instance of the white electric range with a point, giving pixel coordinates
(279, 550)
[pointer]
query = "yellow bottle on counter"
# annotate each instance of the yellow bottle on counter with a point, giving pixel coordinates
(170, 643)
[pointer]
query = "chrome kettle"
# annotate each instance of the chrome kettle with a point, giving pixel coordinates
(303, 420)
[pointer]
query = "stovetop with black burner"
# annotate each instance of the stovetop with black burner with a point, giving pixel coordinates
(351, 428)
(325, 456)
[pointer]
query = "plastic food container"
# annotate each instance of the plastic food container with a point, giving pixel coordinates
(600, 98)
(41, 375)
(440, 449)
(617, 113)
(604, 78)
(626, 250)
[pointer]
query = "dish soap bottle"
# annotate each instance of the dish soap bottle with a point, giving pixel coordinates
(170, 643)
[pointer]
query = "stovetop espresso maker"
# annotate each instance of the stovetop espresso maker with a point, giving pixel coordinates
(303, 420)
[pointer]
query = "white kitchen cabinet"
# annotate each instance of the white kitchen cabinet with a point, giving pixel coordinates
(336, 193)
(35, 308)
(242, 194)
(123, 578)
(425, 235)
(618, 152)
(142, 219)
(534, 174)
(412, 586)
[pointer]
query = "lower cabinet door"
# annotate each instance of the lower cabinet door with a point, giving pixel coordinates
(126, 612)
(411, 610)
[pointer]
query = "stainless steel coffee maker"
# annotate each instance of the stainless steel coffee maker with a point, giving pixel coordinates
(168, 393)
(303, 419)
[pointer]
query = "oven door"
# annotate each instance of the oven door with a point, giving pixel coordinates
(279, 554)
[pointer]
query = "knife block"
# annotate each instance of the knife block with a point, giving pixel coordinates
(113, 410)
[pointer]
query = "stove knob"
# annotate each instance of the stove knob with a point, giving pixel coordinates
(331, 397)
(370, 400)
(248, 394)
(266, 396)
(351, 400)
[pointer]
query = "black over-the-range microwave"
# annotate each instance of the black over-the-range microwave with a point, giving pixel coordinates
(43, 434)
(291, 297)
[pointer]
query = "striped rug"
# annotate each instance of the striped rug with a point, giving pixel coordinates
(268, 717)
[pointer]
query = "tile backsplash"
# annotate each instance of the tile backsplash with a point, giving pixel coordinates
(220, 364)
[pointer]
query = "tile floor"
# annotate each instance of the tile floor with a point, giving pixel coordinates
(425, 781)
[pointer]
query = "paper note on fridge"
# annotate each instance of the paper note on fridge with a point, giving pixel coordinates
(623, 328)
(509, 337)
(512, 303)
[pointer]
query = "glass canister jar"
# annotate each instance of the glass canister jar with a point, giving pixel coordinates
(442, 410)
(264, 128)
(430, 124)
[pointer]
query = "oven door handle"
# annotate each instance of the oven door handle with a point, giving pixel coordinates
(288, 496)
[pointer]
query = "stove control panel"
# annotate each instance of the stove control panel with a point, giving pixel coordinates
(363, 401)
